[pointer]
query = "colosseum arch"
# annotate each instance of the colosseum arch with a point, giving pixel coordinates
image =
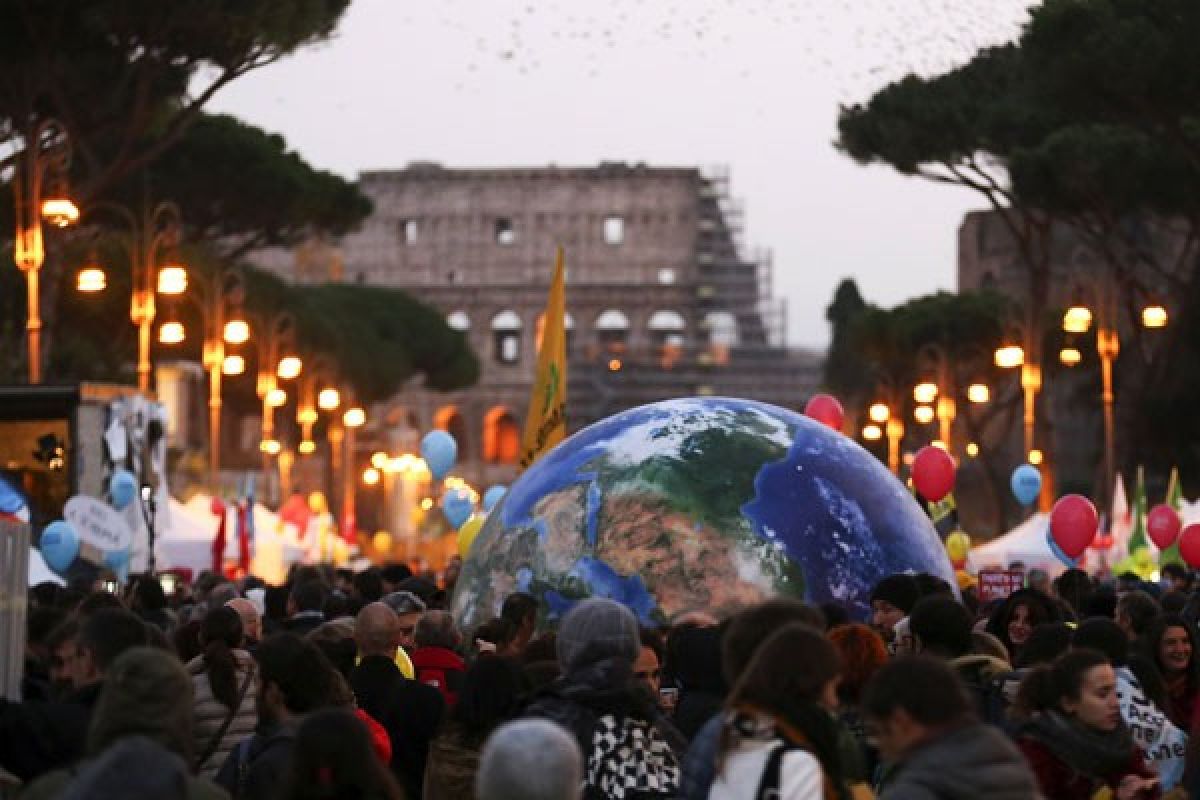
(612, 331)
(667, 329)
(458, 320)
(451, 420)
(501, 436)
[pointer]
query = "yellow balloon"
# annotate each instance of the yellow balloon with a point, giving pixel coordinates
(957, 545)
(317, 503)
(382, 540)
(467, 533)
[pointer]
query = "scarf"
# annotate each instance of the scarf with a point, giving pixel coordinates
(1093, 753)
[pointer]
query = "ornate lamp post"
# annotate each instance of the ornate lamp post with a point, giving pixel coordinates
(158, 228)
(46, 152)
(942, 392)
(275, 338)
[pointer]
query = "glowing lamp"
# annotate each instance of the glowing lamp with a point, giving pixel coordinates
(379, 460)
(270, 446)
(1069, 356)
(307, 447)
(872, 432)
(370, 476)
(1036, 457)
(1010, 356)
(60, 212)
(614, 365)
(972, 449)
(172, 280)
(923, 414)
(306, 416)
(233, 365)
(237, 331)
(979, 393)
(1077, 319)
(276, 397)
(1154, 317)
(328, 399)
(91, 279)
(354, 418)
(289, 367)
(879, 412)
(170, 333)
(925, 392)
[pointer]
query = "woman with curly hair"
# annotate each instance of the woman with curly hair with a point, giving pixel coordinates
(863, 652)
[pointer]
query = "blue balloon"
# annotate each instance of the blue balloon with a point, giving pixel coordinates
(11, 501)
(457, 506)
(1026, 483)
(439, 450)
(59, 545)
(1057, 551)
(493, 496)
(122, 489)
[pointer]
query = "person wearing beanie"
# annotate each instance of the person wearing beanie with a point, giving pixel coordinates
(530, 759)
(891, 601)
(145, 706)
(629, 748)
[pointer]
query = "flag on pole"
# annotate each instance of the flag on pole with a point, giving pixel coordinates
(1138, 538)
(1120, 521)
(546, 424)
(1175, 500)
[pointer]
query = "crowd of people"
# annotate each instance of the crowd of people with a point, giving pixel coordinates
(361, 685)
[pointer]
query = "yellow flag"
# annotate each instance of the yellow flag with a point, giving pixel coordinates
(546, 424)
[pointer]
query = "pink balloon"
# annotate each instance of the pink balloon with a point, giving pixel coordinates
(1163, 525)
(933, 473)
(1189, 544)
(826, 409)
(1073, 524)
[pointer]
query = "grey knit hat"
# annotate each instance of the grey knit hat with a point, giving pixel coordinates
(596, 629)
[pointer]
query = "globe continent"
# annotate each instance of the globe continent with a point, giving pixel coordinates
(705, 503)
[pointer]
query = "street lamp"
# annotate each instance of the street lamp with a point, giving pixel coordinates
(276, 334)
(218, 297)
(1104, 290)
(45, 152)
(156, 229)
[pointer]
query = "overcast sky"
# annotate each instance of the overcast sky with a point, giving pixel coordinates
(753, 85)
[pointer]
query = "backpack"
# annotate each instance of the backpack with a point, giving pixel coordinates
(611, 773)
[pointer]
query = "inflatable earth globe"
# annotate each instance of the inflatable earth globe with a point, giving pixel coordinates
(706, 503)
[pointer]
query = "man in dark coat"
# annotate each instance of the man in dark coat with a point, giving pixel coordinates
(37, 737)
(304, 607)
(408, 711)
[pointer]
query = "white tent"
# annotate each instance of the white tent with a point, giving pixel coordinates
(1025, 543)
(188, 540)
(39, 572)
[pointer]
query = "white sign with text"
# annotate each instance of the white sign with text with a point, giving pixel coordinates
(98, 523)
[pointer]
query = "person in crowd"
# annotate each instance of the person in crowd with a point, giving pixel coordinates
(294, 679)
(333, 758)
(367, 587)
(451, 574)
(435, 662)
(941, 628)
(1014, 620)
(492, 693)
(862, 653)
(98, 600)
(935, 747)
(630, 749)
(149, 601)
(539, 660)
(224, 691)
(1171, 646)
(409, 711)
(1136, 612)
(36, 737)
(779, 739)
(392, 575)
(497, 637)
(50, 654)
(305, 604)
(1141, 696)
(694, 658)
(1074, 587)
(745, 632)
(335, 640)
(275, 605)
(1038, 580)
(520, 609)
(1045, 644)
(186, 640)
(1075, 740)
(648, 666)
(835, 615)
(139, 742)
(530, 759)
(252, 630)
(1176, 578)
(891, 601)
(221, 594)
(408, 609)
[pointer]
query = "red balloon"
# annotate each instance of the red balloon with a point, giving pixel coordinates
(1073, 524)
(1189, 544)
(933, 473)
(1163, 525)
(826, 409)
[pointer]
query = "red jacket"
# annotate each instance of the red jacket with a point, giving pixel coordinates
(1059, 781)
(440, 668)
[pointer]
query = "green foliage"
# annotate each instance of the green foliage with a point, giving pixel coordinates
(841, 374)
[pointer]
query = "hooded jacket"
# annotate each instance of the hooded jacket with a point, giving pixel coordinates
(970, 762)
(441, 668)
